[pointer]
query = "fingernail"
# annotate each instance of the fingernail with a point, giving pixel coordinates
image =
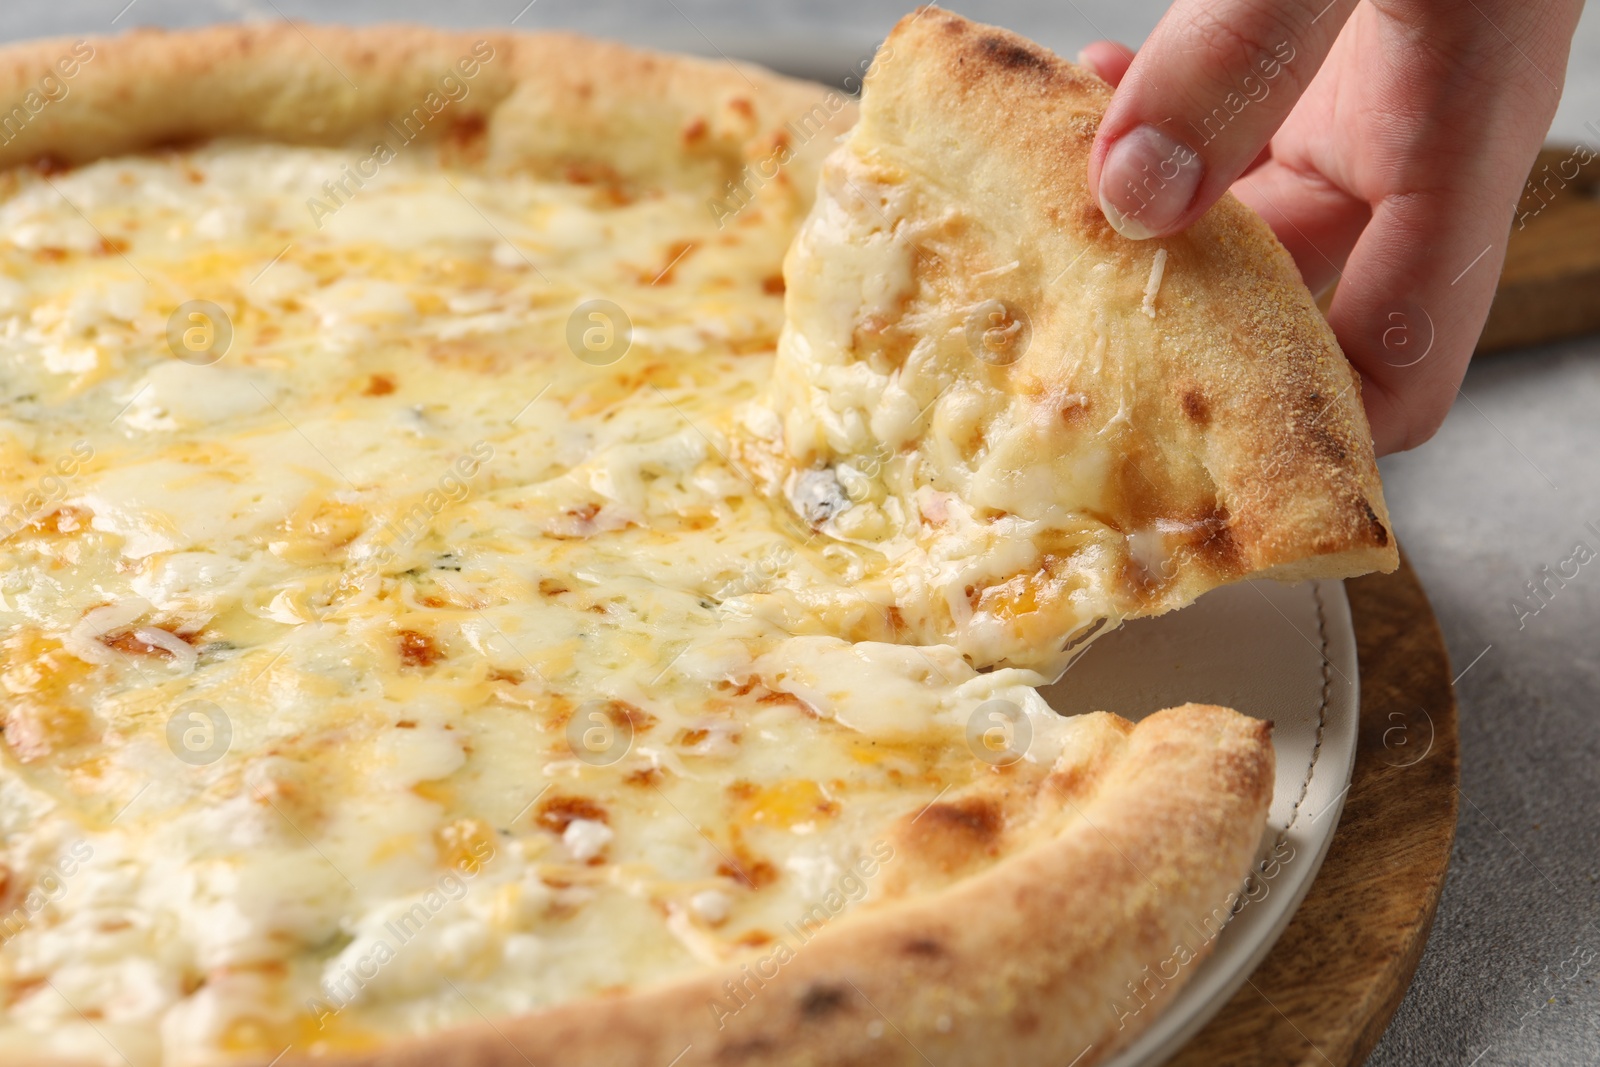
(1147, 182)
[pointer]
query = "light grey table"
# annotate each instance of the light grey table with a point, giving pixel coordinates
(1510, 485)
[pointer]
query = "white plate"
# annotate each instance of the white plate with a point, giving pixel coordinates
(1285, 653)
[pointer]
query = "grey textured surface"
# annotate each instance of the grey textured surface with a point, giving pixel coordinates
(1510, 485)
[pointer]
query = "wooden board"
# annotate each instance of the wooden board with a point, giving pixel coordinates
(1550, 285)
(1329, 987)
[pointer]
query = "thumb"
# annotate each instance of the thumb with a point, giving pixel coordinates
(1201, 100)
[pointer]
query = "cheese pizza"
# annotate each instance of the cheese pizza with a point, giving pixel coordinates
(465, 598)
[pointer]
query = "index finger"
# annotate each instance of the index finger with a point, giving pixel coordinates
(1200, 101)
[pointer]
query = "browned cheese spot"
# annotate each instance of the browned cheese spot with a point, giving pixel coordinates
(418, 649)
(746, 866)
(467, 132)
(896, 621)
(643, 776)
(757, 874)
(620, 711)
(1075, 410)
(676, 253)
(67, 519)
(131, 644)
(557, 813)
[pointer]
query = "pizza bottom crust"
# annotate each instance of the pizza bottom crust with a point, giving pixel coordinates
(1068, 948)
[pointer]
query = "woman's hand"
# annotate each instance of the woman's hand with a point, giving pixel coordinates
(1385, 141)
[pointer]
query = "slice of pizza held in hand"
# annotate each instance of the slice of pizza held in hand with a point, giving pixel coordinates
(1044, 427)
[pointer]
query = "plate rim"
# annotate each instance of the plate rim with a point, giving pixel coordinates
(1179, 1020)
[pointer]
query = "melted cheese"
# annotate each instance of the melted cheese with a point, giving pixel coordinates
(1000, 530)
(398, 665)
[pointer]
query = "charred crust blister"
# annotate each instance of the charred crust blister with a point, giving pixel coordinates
(923, 947)
(1013, 55)
(979, 819)
(1379, 533)
(755, 1048)
(821, 1000)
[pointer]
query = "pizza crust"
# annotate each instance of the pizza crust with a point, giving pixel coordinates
(1067, 428)
(1030, 962)
(556, 103)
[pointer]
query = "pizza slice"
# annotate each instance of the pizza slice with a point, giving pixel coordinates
(1043, 427)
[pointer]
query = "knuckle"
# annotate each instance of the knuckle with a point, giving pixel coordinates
(1228, 41)
(1244, 52)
